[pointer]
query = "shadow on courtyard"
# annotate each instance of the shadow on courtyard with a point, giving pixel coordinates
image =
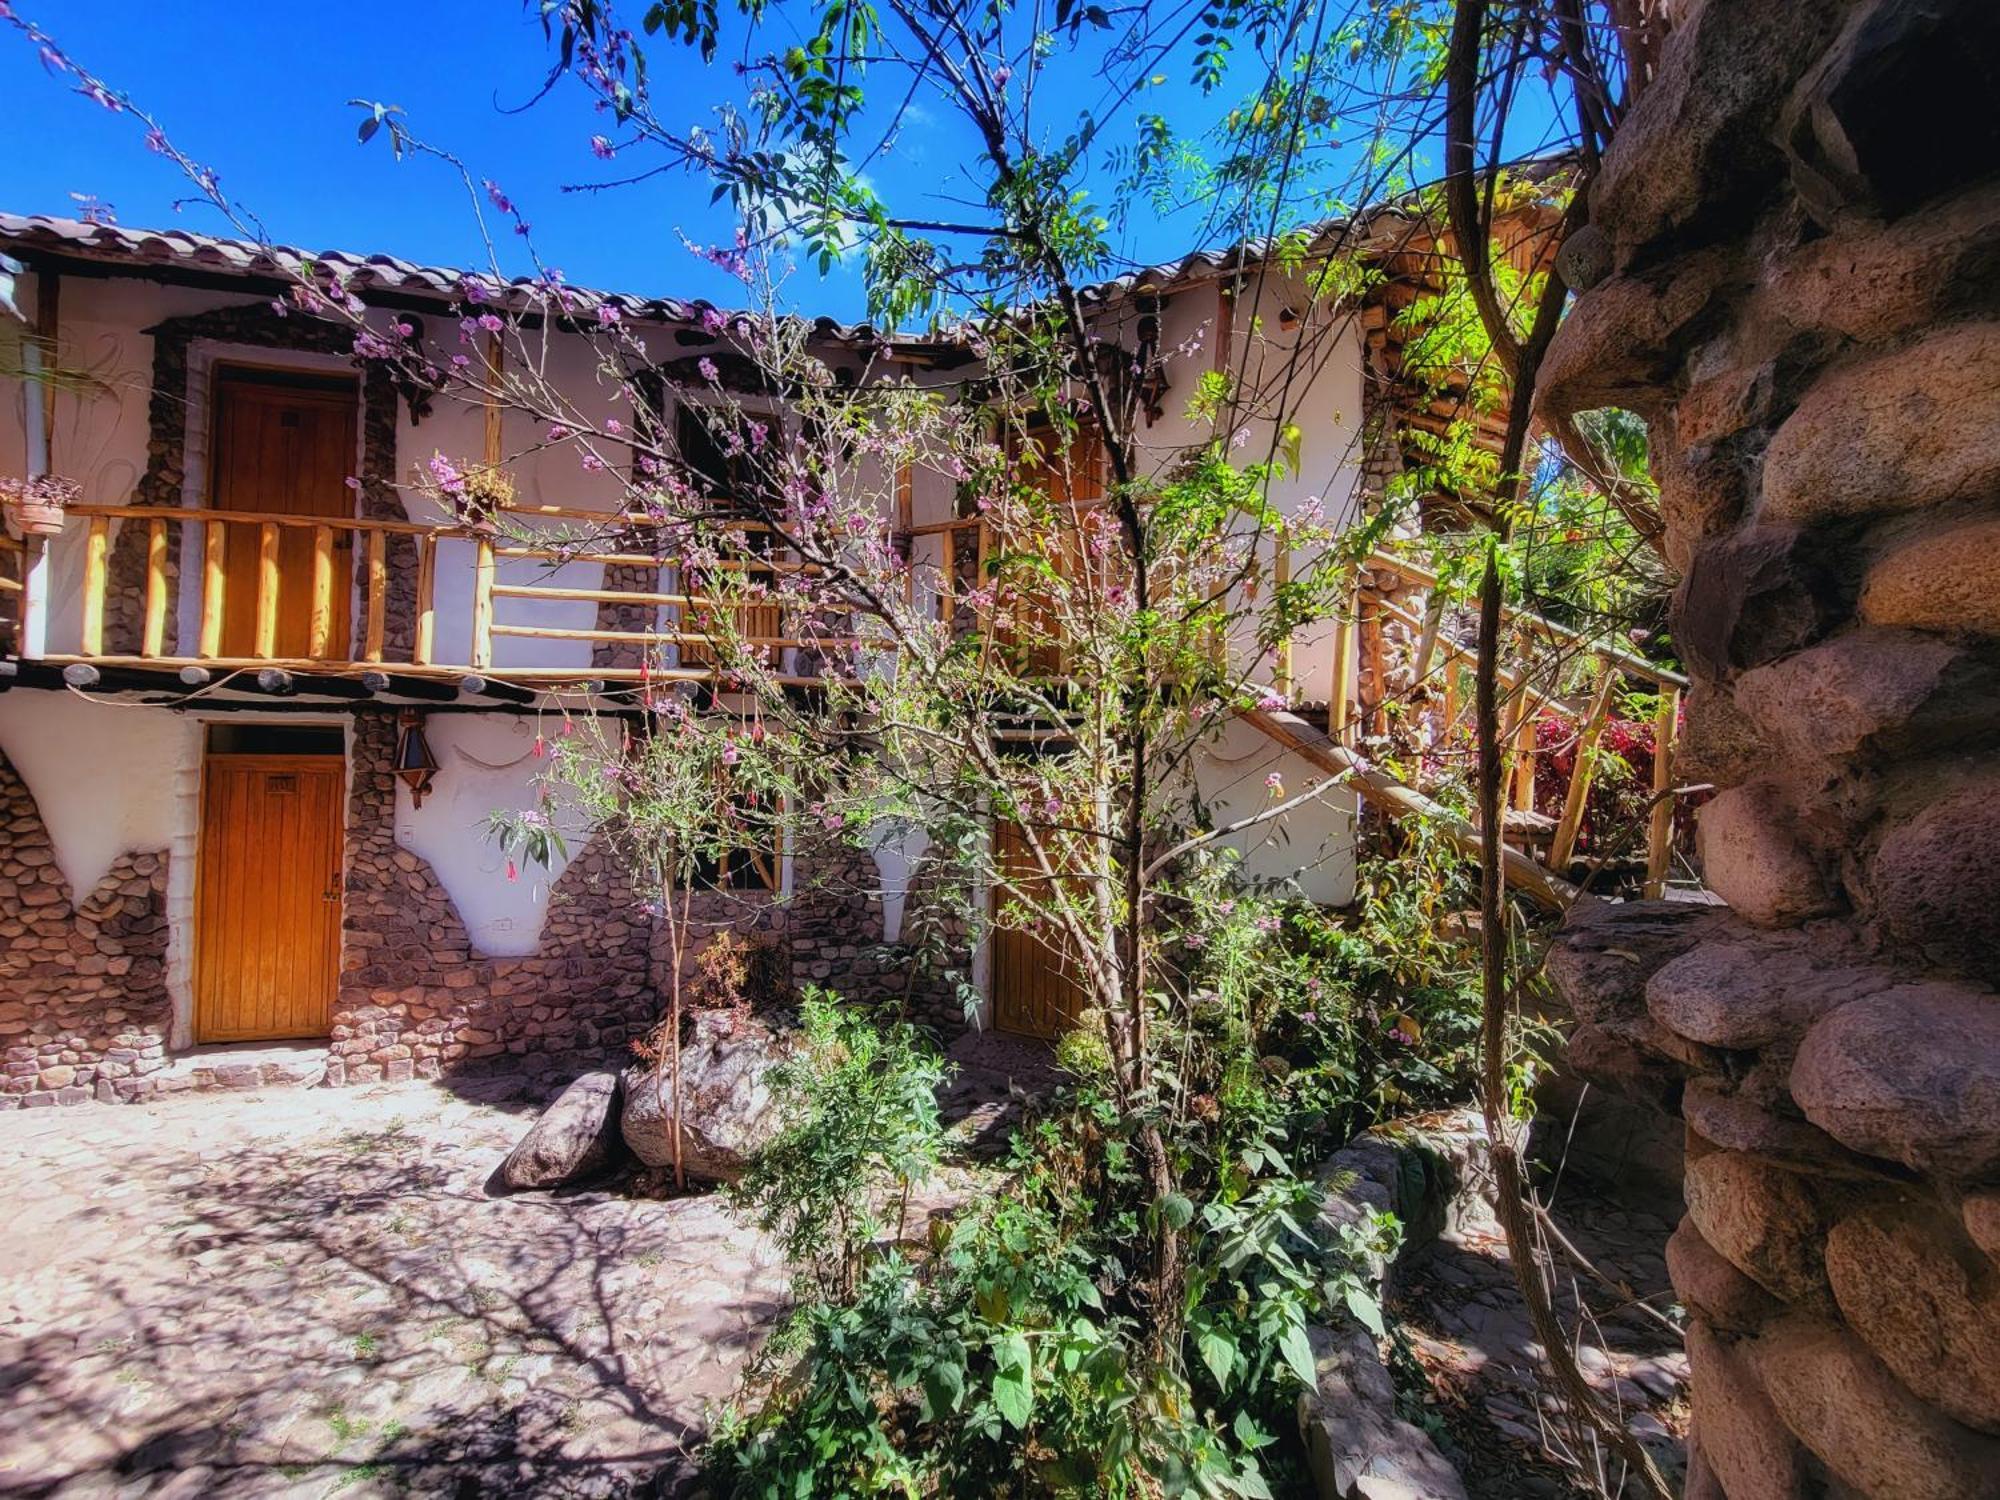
(346, 1309)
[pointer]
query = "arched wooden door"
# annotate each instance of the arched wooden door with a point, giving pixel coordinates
(1035, 989)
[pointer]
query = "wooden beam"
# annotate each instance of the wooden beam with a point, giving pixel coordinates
(1382, 790)
(473, 685)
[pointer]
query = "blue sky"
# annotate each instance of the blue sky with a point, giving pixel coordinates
(260, 91)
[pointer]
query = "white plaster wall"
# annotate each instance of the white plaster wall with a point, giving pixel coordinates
(109, 781)
(486, 764)
(1310, 847)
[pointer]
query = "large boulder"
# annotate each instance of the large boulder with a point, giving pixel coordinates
(726, 1114)
(575, 1139)
(1926, 1302)
(1875, 1437)
(1909, 1075)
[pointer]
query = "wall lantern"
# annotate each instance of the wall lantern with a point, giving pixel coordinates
(414, 761)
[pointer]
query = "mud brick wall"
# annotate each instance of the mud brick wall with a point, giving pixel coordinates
(84, 1011)
(1792, 271)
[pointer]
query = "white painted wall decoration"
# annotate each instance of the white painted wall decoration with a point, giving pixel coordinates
(486, 764)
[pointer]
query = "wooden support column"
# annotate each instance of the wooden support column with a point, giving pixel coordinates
(1660, 833)
(1577, 795)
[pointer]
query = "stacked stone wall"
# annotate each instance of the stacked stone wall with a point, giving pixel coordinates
(84, 1012)
(416, 1000)
(1793, 272)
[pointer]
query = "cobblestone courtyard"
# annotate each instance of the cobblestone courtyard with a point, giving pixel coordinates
(309, 1292)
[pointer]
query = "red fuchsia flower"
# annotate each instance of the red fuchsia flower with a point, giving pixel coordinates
(513, 870)
(541, 747)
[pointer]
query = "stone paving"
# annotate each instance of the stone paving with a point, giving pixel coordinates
(309, 1292)
(1490, 1395)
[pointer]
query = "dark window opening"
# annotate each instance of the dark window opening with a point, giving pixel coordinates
(276, 739)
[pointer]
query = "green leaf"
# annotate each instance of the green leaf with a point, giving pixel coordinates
(1176, 1210)
(1297, 1350)
(944, 1389)
(1014, 1396)
(1218, 1352)
(1366, 1308)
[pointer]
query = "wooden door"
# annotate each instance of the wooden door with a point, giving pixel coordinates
(267, 918)
(284, 445)
(1074, 482)
(1035, 989)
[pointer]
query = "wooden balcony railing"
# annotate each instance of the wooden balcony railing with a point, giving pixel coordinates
(288, 607)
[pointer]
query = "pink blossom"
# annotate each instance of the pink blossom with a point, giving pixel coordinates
(607, 314)
(592, 463)
(613, 426)
(1272, 701)
(601, 147)
(1276, 783)
(491, 322)
(708, 370)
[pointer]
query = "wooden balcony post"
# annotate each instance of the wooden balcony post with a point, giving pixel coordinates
(1340, 701)
(153, 641)
(267, 591)
(96, 556)
(378, 596)
(1660, 833)
(1281, 573)
(319, 631)
(482, 603)
(1577, 794)
(213, 574)
(425, 643)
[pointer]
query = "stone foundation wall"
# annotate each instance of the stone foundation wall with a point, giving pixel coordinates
(84, 1012)
(1793, 272)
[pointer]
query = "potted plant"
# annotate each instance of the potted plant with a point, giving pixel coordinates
(34, 506)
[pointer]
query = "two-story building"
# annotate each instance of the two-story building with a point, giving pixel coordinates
(261, 692)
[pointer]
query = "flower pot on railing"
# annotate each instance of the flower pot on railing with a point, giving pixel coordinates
(35, 506)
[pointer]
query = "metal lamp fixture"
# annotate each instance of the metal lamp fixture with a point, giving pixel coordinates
(414, 761)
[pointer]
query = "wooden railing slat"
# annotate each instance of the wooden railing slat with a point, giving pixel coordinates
(96, 559)
(153, 640)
